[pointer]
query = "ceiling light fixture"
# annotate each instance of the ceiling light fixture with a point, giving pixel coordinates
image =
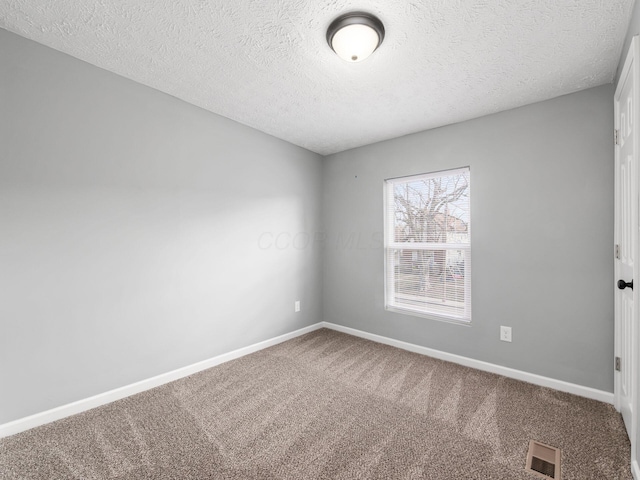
(354, 36)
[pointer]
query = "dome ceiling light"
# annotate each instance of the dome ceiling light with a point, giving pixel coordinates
(354, 36)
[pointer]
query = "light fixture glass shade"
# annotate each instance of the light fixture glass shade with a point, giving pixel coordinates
(356, 42)
(354, 36)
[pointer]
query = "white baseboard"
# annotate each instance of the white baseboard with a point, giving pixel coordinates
(560, 385)
(22, 424)
(635, 470)
(79, 406)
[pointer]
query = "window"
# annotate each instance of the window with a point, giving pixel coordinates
(428, 245)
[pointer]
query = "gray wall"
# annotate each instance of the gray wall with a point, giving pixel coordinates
(137, 231)
(542, 234)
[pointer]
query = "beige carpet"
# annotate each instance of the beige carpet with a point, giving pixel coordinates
(331, 406)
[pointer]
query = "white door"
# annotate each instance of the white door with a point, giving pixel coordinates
(626, 239)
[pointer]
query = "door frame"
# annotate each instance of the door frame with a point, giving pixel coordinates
(632, 61)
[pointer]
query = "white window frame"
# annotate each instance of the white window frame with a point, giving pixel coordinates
(390, 246)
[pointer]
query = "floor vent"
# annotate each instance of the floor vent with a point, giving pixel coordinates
(543, 460)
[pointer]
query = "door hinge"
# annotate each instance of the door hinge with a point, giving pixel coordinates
(618, 364)
(616, 136)
(616, 251)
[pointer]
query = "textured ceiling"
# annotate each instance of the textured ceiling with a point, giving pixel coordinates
(266, 64)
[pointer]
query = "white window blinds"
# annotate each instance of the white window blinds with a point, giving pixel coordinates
(428, 245)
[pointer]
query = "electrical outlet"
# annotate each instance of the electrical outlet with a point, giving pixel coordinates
(505, 334)
(296, 306)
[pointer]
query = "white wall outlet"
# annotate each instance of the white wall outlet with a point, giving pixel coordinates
(296, 306)
(505, 334)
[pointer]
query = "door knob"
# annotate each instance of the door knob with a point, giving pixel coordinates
(622, 284)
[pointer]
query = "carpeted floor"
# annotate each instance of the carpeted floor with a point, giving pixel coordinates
(326, 406)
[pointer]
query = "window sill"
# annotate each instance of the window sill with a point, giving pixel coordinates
(430, 316)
